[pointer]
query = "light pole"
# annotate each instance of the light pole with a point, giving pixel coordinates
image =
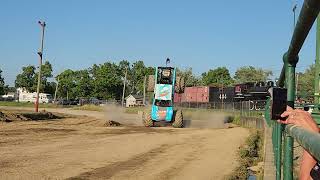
(124, 86)
(55, 93)
(294, 15)
(40, 53)
(144, 89)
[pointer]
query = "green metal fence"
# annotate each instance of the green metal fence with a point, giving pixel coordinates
(283, 136)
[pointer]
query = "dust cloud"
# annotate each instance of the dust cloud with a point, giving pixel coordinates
(117, 113)
(114, 112)
(205, 119)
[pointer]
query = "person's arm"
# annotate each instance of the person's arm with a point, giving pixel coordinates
(305, 120)
(307, 163)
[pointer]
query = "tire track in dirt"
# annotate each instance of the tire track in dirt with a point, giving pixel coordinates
(112, 169)
(160, 153)
(93, 151)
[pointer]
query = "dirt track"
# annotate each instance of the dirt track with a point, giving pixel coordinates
(82, 148)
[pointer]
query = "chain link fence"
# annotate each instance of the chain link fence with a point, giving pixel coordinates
(246, 113)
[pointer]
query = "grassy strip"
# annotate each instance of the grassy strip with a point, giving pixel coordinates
(27, 104)
(249, 155)
(135, 110)
(89, 107)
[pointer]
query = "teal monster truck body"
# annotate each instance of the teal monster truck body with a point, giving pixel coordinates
(164, 84)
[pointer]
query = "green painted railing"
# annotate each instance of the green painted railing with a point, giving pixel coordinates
(307, 139)
(283, 140)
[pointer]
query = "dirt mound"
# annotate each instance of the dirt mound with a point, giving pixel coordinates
(4, 118)
(41, 116)
(112, 123)
(10, 116)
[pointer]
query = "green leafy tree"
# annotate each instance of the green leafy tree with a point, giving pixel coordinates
(189, 77)
(66, 84)
(26, 79)
(8, 89)
(103, 81)
(137, 74)
(306, 82)
(150, 71)
(251, 74)
(123, 66)
(29, 78)
(46, 72)
(83, 83)
(2, 86)
(49, 87)
(107, 81)
(218, 76)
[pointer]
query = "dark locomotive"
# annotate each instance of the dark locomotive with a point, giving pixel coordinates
(253, 94)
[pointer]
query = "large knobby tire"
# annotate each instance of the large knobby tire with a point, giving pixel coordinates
(151, 82)
(182, 84)
(178, 119)
(147, 120)
(179, 84)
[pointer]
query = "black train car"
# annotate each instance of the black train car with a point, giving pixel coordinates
(225, 94)
(254, 93)
(257, 93)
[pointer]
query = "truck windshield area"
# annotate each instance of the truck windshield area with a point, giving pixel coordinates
(163, 103)
(164, 75)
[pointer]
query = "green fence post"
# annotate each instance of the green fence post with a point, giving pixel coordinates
(288, 158)
(278, 150)
(317, 67)
(288, 141)
(273, 142)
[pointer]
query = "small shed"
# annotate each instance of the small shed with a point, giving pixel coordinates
(134, 100)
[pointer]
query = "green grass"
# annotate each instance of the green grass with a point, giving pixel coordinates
(249, 155)
(89, 107)
(135, 110)
(27, 104)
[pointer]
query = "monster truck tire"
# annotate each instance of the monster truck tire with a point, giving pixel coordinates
(178, 119)
(146, 119)
(150, 83)
(179, 84)
(182, 84)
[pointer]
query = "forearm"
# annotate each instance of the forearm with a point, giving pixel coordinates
(307, 163)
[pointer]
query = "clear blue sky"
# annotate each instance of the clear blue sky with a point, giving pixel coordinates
(197, 34)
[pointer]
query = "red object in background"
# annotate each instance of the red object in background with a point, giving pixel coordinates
(196, 94)
(177, 97)
(238, 89)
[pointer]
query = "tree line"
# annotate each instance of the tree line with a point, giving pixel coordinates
(105, 81)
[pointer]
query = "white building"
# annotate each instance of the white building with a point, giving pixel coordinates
(134, 100)
(25, 96)
(9, 95)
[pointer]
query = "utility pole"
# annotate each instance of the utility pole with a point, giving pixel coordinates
(124, 86)
(55, 93)
(40, 53)
(144, 90)
(294, 14)
(222, 94)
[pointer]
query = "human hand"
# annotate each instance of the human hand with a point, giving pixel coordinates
(300, 118)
